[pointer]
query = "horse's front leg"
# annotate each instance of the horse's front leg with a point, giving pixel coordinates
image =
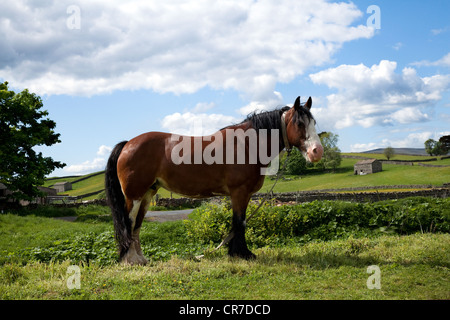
(238, 246)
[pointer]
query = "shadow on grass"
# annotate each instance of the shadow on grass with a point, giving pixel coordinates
(357, 253)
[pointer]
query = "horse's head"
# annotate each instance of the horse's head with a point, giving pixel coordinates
(301, 131)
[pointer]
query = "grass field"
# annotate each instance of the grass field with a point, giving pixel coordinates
(344, 178)
(35, 253)
(411, 268)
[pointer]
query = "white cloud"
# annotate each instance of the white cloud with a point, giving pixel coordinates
(435, 32)
(203, 106)
(361, 147)
(269, 103)
(86, 167)
(104, 150)
(409, 115)
(412, 140)
(171, 46)
(189, 123)
(97, 164)
(443, 62)
(397, 46)
(378, 95)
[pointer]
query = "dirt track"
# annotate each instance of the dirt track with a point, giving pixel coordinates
(158, 216)
(163, 216)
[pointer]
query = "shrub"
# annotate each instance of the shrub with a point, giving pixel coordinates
(323, 220)
(296, 163)
(90, 247)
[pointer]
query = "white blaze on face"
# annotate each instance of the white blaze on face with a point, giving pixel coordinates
(314, 149)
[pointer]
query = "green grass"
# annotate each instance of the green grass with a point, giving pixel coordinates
(395, 157)
(36, 250)
(89, 185)
(344, 178)
(412, 267)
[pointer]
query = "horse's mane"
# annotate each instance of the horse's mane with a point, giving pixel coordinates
(266, 119)
(272, 119)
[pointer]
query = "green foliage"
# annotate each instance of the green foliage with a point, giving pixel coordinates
(31, 235)
(388, 152)
(324, 220)
(412, 267)
(209, 222)
(23, 126)
(445, 144)
(90, 247)
(435, 148)
(331, 158)
(296, 163)
(91, 240)
(35, 253)
(62, 211)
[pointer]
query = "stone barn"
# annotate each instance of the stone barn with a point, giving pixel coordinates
(367, 166)
(62, 186)
(4, 192)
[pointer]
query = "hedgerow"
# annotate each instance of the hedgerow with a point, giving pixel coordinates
(323, 220)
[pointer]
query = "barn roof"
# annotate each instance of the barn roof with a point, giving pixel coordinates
(368, 161)
(61, 183)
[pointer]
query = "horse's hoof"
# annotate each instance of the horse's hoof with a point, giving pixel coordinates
(134, 260)
(250, 256)
(243, 255)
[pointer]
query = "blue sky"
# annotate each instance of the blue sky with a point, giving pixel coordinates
(108, 71)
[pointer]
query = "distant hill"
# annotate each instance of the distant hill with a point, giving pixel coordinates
(403, 151)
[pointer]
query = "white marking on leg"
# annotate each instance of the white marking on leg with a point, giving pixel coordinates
(134, 211)
(134, 254)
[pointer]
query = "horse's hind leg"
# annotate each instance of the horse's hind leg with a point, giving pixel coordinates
(137, 210)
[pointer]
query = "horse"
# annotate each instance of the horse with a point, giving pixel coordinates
(225, 163)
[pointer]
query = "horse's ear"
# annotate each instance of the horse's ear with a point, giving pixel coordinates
(297, 103)
(308, 103)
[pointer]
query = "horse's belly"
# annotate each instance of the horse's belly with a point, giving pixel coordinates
(194, 185)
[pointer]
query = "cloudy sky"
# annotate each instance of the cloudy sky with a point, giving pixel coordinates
(378, 71)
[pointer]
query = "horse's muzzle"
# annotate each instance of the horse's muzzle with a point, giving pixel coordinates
(315, 152)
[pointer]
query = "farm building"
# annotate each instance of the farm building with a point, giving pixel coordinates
(62, 186)
(367, 166)
(4, 192)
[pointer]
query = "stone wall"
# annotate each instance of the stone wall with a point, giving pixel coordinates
(308, 196)
(305, 196)
(357, 197)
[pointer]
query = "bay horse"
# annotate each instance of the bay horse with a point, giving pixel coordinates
(202, 167)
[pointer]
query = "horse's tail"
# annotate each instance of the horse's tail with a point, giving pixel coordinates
(116, 200)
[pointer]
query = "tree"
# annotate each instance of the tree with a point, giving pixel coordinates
(430, 145)
(389, 152)
(331, 158)
(296, 163)
(23, 125)
(445, 142)
(436, 148)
